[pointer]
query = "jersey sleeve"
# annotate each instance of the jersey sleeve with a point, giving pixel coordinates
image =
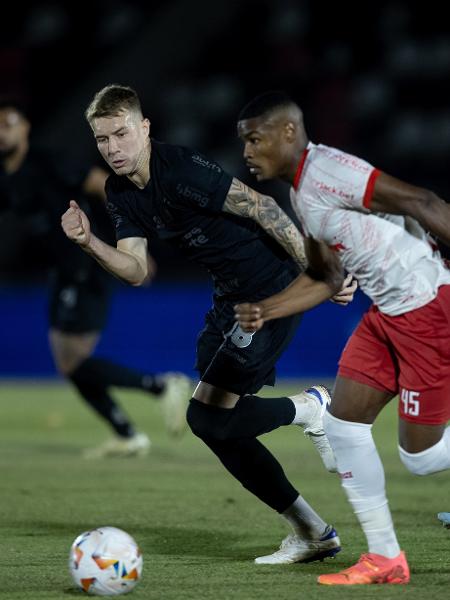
(199, 182)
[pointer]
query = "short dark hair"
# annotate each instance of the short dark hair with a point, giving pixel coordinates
(265, 103)
(110, 100)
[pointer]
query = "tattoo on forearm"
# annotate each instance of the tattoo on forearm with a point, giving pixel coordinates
(245, 202)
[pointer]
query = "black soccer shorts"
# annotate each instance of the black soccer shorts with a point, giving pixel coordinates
(236, 361)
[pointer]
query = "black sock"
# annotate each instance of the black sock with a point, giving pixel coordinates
(109, 373)
(257, 470)
(252, 416)
(231, 435)
(97, 397)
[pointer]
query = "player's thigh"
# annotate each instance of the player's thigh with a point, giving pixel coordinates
(357, 402)
(215, 396)
(367, 376)
(421, 342)
(71, 349)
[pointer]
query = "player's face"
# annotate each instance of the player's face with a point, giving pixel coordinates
(13, 130)
(121, 140)
(264, 147)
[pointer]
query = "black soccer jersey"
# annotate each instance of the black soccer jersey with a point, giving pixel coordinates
(182, 204)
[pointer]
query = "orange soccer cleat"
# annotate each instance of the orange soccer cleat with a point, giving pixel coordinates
(371, 568)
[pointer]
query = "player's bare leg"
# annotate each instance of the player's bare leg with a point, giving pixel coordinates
(70, 350)
(214, 396)
(414, 437)
(424, 449)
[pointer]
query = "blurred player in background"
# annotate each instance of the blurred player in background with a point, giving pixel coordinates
(377, 226)
(35, 185)
(249, 246)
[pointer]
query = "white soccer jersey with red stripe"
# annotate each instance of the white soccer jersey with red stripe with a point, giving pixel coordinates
(390, 255)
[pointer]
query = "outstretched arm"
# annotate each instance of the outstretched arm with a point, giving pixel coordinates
(127, 262)
(322, 280)
(390, 195)
(245, 202)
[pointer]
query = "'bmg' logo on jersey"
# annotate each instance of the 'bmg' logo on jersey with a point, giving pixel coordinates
(195, 195)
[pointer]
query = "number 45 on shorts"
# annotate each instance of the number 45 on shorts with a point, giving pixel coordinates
(410, 401)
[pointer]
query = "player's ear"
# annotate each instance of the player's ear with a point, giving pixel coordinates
(146, 123)
(290, 131)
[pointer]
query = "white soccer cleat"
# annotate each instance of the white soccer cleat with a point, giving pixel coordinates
(320, 396)
(444, 517)
(137, 445)
(295, 549)
(175, 400)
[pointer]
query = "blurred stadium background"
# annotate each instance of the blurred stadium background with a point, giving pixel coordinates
(372, 80)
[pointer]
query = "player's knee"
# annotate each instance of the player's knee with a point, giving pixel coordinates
(428, 461)
(333, 428)
(414, 462)
(66, 365)
(336, 430)
(195, 418)
(205, 421)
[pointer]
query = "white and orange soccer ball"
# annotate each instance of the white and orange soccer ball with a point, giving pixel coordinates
(105, 562)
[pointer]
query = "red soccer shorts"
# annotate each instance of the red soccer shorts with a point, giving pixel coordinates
(408, 354)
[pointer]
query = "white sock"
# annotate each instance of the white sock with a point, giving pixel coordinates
(362, 477)
(305, 409)
(304, 520)
(431, 460)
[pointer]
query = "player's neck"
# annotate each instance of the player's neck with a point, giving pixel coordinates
(288, 175)
(140, 176)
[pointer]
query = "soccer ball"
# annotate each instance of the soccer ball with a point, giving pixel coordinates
(105, 562)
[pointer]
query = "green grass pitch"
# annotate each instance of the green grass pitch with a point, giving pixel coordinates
(198, 529)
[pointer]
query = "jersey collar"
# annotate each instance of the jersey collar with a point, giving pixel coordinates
(301, 164)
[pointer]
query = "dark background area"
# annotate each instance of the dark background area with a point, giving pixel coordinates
(372, 79)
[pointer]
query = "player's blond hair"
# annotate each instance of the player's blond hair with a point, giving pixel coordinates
(111, 100)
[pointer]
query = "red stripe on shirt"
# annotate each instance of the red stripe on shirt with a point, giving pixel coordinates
(369, 188)
(301, 164)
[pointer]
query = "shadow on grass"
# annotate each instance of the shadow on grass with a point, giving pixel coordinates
(180, 540)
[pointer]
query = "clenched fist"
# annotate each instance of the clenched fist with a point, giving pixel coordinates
(76, 225)
(345, 295)
(250, 316)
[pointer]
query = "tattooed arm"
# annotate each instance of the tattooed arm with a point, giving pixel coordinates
(245, 202)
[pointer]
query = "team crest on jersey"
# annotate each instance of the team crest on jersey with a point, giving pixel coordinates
(239, 337)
